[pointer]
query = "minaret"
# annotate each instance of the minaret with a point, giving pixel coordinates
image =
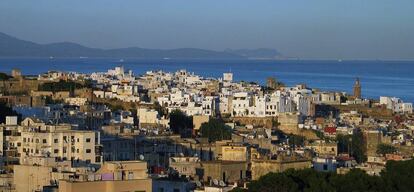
(357, 89)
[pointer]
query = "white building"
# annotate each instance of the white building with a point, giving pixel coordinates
(228, 77)
(79, 101)
(396, 104)
(148, 116)
(11, 120)
(240, 104)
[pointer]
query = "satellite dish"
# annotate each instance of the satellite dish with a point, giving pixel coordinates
(222, 184)
(215, 182)
(141, 157)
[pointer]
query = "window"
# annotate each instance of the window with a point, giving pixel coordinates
(77, 150)
(56, 141)
(44, 141)
(37, 140)
(130, 175)
(24, 139)
(88, 150)
(88, 140)
(64, 149)
(241, 174)
(56, 151)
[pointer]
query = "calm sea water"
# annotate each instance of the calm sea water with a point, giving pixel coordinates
(378, 78)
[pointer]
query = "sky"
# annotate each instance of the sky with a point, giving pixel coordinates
(338, 29)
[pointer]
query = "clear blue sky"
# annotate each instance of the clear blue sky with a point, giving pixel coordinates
(375, 29)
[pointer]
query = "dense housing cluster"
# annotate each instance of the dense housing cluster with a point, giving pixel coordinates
(178, 131)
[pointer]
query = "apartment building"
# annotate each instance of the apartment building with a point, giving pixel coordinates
(76, 145)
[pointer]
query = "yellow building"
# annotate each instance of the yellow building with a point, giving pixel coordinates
(288, 123)
(198, 120)
(76, 145)
(227, 171)
(324, 149)
(31, 178)
(282, 163)
(373, 138)
(115, 176)
(185, 165)
(138, 185)
(234, 153)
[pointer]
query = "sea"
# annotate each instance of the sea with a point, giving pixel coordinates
(378, 78)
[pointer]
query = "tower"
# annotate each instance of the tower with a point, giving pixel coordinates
(271, 83)
(357, 89)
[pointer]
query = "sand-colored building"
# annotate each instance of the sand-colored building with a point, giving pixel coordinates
(77, 145)
(148, 116)
(198, 120)
(39, 172)
(282, 163)
(31, 178)
(234, 153)
(372, 139)
(288, 122)
(115, 176)
(185, 165)
(324, 149)
(227, 171)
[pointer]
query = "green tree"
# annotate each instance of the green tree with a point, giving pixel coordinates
(215, 130)
(159, 109)
(4, 76)
(296, 140)
(180, 123)
(6, 111)
(274, 182)
(353, 145)
(238, 189)
(60, 86)
(385, 149)
(358, 146)
(397, 176)
(355, 180)
(116, 107)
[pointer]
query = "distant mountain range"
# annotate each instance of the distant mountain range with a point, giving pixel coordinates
(13, 47)
(261, 53)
